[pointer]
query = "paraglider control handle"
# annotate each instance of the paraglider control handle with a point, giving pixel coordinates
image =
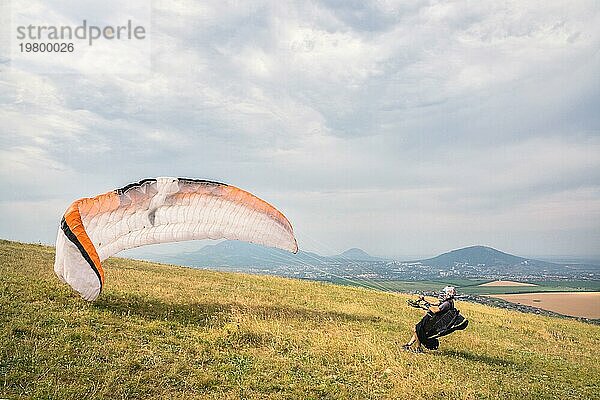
(419, 303)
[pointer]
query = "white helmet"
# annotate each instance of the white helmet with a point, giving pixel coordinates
(447, 293)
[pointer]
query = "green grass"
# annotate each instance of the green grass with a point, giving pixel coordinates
(165, 332)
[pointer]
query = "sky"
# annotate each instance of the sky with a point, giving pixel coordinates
(404, 128)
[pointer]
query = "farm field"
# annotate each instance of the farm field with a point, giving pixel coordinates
(475, 287)
(576, 304)
(506, 283)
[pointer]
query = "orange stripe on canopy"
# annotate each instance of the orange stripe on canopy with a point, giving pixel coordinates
(99, 204)
(236, 195)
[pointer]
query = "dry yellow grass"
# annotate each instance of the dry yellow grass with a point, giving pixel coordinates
(161, 332)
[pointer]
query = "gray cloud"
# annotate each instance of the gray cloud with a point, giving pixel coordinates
(402, 128)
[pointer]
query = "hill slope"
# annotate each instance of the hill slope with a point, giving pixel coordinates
(469, 262)
(474, 255)
(170, 332)
(485, 260)
(356, 254)
(233, 253)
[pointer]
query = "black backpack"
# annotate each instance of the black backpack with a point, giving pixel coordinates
(447, 323)
(434, 326)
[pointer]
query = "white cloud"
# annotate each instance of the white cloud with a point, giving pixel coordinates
(397, 127)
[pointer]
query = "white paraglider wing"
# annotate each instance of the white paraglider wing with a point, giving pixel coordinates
(159, 211)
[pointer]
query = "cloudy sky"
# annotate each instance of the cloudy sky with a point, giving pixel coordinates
(404, 128)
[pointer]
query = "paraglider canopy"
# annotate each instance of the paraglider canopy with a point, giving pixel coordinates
(160, 210)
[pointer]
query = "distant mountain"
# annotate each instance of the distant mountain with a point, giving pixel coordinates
(474, 255)
(356, 254)
(233, 253)
(483, 259)
(469, 262)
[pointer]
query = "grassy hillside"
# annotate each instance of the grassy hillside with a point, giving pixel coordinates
(168, 332)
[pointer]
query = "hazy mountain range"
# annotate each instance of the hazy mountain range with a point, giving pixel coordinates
(468, 262)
